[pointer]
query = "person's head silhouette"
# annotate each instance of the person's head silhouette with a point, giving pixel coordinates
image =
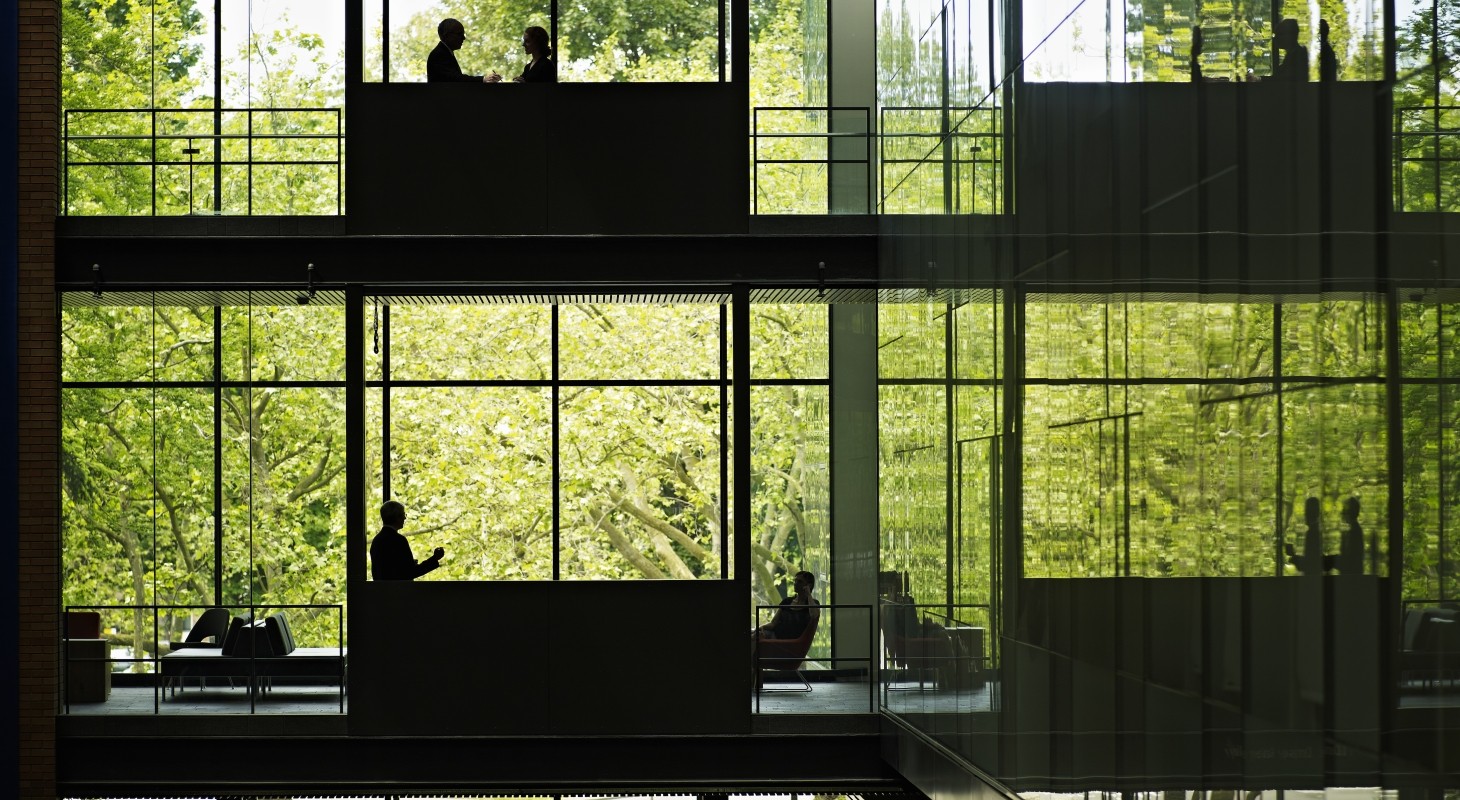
(1312, 512)
(393, 514)
(1285, 35)
(535, 42)
(452, 33)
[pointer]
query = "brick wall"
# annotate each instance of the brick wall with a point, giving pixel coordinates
(39, 402)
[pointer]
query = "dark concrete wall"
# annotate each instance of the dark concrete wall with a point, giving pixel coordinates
(437, 658)
(567, 158)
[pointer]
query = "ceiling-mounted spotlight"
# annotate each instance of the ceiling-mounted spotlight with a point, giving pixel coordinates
(308, 294)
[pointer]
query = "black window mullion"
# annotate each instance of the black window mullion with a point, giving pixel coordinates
(557, 438)
(385, 405)
(218, 455)
(724, 409)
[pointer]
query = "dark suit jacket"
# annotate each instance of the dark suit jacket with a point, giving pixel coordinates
(391, 558)
(441, 67)
(544, 72)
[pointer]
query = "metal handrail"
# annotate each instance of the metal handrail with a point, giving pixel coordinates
(955, 157)
(756, 135)
(217, 136)
(156, 658)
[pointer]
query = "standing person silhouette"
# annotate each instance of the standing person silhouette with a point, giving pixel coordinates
(1351, 545)
(540, 69)
(1327, 61)
(1294, 66)
(441, 66)
(1312, 561)
(390, 554)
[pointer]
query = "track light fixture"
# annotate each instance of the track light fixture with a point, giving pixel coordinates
(308, 294)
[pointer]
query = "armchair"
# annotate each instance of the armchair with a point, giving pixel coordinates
(787, 655)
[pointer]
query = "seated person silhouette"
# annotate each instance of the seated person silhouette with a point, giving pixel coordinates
(1294, 66)
(441, 66)
(540, 68)
(390, 553)
(791, 619)
(795, 612)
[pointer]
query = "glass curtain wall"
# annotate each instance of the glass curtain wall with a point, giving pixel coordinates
(203, 461)
(600, 41)
(1188, 467)
(939, 372)
(1426, 113)
(1134, 42)
(178, 107)
(590, 440)
(940, 80)
(789, 106)
(204, 448)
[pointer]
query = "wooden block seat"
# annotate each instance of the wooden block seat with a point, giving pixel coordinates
(257, 651)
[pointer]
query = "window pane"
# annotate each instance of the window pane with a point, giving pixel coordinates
(789, 341)
(493, 36)
(639, 342)
(117, 343)
(284, 495)
(675, 41)
(473, 468)
(1429, 339)
(910, 340)
(913, 485)
(137, 505)
(1431, 502)
(486, 342)
(284, 343)
(1334, 338)
(640, 482)
(790, 470)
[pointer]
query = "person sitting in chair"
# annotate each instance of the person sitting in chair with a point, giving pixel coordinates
(795, 613)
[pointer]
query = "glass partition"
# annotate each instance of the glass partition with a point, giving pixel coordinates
(182, 107)
(190, 486)
(1203, 492)
(601, 41)
(1110, 42)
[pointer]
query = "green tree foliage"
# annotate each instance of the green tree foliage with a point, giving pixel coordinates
(639, 464)
(1427, 102)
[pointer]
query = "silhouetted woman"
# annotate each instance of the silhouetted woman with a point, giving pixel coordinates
(541, 68)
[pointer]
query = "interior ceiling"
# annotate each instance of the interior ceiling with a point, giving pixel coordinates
(275, 296)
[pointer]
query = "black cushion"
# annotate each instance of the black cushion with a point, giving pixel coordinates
(281, 639)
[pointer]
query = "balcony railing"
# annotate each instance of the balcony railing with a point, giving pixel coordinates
(89, 669)
(175, 162)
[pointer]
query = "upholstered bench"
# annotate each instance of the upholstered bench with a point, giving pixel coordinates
(258, 651)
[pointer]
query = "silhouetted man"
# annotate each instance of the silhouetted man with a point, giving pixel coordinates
(390, 553)
(441, 66)
(1294, 66)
